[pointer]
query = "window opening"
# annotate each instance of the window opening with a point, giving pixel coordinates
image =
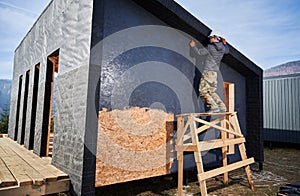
(18, 108)
(34, 106)
(25, 107)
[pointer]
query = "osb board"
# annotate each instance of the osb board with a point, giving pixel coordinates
(133, 143)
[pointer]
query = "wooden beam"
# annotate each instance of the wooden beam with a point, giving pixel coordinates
(37, 190)
(224, 150)
(182, 129)
(31, 174)
(6, 178)
(180, 172)
(221, 170)
(45, 169)
(209, 145)
(202, 128)
(17, 169)
(229, 96)
(218, 127)
(229, 102)
(203, 114)
(198, 158)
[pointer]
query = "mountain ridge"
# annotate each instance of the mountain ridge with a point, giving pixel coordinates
(289, 68)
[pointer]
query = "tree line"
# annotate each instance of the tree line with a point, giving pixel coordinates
(4, 118)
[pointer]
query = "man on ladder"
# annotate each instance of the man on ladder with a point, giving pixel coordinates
(214, 53)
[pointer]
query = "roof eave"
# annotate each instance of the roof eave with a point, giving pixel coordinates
(176, 16)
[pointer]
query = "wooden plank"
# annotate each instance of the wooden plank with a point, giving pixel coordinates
(242, 149)
(202, 128)
(17, 170)
(218, 127)
(247, 168)
(60, 174)
(17, 164)
(43, 169)
(2, 152)
(48, 171)
(52, 187)
(6, 178)
(14, 165)
(182, 129)
(180, 172)
(229, 92)
(21, 167)
(6, 150)
(221, 170)
(224, 151)
(229, 96)
(186, 148)
(203, 114)
(210, 144)
(230, 109)
(180, 126)
(198, 158)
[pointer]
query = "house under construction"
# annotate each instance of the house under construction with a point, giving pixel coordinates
(123, 71)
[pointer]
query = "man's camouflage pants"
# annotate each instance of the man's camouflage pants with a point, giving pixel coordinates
(208, 86)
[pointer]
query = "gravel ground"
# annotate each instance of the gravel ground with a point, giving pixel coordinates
(281, 166)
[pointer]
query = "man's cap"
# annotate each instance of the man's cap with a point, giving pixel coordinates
(215, 33)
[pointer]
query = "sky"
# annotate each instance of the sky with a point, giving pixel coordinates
(265, 31)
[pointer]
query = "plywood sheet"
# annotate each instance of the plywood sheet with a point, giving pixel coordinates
(133, 143)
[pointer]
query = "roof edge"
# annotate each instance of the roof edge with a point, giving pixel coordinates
(33, 25)
(178, 17)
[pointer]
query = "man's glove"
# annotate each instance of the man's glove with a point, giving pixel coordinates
(223, 41)
(192, 43)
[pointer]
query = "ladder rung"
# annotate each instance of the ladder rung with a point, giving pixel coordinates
(227, 168)
(210, 144)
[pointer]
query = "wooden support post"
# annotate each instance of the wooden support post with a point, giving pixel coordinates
(180, 130)
(229, 96)
(229, 102)
(224, 151)
(242, 149)
(198, 158)
(180, 172)
(247, 167)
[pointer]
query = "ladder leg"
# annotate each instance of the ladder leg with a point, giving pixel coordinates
(180, 172)
(247, 168)
(242, 149)
(198, 158)
(203, 188)
(224, 152)
(200, 169)
(180, 126)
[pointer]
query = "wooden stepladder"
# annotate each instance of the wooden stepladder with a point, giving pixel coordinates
(188, 141)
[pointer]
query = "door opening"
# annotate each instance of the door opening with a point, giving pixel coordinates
(25, 107)
(34, 106)
(47, 132)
